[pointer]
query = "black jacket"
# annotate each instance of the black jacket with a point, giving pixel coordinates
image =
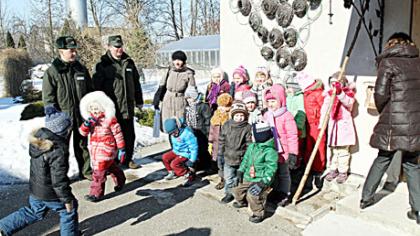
(49, 166)
(397, 98)
(233, 140)
(64, 85)
(120, 80)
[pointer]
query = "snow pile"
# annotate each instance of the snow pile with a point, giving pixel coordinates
(14, 146)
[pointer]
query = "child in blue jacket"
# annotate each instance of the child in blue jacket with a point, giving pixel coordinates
(181, 159)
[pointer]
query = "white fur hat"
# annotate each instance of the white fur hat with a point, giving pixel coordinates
(100, 98)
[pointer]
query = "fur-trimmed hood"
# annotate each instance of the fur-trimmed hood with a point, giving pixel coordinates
(42, 140)
(100, 98)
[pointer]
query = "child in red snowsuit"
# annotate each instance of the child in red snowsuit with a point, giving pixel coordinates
(313, 100)
(105, 144)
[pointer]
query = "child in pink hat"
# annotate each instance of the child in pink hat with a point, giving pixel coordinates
(240, 83)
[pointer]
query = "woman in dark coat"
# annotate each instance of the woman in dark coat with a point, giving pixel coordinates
(397, 99)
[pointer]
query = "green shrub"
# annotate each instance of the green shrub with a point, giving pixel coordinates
(33, 110)
(145, 117)
(148, 101)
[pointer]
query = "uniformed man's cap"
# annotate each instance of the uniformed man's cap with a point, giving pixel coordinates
(65, 42)
(115, 40)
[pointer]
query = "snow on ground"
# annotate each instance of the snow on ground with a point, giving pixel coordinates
(14, 153)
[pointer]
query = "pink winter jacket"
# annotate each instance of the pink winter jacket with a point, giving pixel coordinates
(105, 139)
(283, 122)
(341, 132)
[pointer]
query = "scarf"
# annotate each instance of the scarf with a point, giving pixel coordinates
(214, 92)
(336, 112)
(272, 115)
(219, 117)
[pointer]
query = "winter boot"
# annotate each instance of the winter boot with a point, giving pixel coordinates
(256, 219)
(189, 179)
(239, 205)
(331, 175)
(118, 188)
(92, 198)
(133, 165)
(171, 175)
(227, 198)
(221, 184)
(366, 203)
(341, 178)
(318, 181)
(414, 215)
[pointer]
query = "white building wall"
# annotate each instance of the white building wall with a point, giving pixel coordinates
(326, 49)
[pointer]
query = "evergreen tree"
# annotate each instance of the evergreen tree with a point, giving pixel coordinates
(10, 43)
(66, 30)
(140, 47)
(21, 43)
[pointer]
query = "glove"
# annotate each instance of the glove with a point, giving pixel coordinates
(240, 176)
(256, 189)
(156, 107)
(121, 155)
(210, 148)
(189, 164)
(69, 206)
(292, 160)
(338, 87)
(90, 122)
(140, 107)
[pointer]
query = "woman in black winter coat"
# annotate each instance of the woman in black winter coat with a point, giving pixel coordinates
(397, 98)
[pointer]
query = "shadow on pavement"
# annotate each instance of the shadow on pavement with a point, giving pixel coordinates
(193, 232)
(155, 202)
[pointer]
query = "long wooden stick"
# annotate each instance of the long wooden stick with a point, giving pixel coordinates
(327, 115)
(318, 140)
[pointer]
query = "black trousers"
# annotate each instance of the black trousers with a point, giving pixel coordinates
(411, 168)
(127, 128)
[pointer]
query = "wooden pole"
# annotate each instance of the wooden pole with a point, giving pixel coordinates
(327, 115)
(318, 140)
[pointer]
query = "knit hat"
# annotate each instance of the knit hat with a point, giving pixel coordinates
(224, 100)
(179, 55)
(262, 132)
(191, 92)
(56, 121)
(170, 125)
(238, 107)
(304, 80)
(249, 96)
(241, 71)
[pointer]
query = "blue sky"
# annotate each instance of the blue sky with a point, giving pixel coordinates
(20, 8)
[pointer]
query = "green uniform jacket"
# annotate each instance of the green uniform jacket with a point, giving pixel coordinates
(64, 85)
(295, 105)
(120, 81)
(264, 157)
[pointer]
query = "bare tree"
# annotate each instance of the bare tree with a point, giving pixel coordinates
(100, 13)
(3, 21)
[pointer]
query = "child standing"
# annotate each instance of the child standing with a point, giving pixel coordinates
(341, 132)
(261, 82)
(286, 139)
(250, 100)
(256, 172)
(295, 105)
(181, 159)
(234, 138)
(313, 100)
(218, 85)
(240, 83)
(49, 186)
(221, 115)
(106, 142)
(197, 116)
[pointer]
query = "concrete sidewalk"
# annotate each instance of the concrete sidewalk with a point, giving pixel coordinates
(150, 205)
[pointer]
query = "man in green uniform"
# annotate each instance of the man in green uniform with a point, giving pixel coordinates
(116, 75)
(65, 82)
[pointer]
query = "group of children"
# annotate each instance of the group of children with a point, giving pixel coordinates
(258, 132)
(254, 132)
